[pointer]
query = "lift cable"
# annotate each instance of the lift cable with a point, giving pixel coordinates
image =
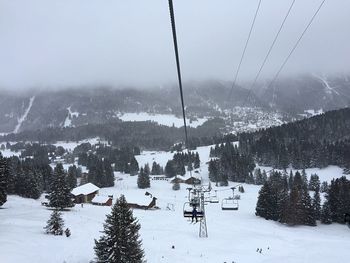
(172, 17)
(244, 50)
(269, 51)
(293, 49)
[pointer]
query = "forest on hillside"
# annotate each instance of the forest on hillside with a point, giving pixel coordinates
(315, 142)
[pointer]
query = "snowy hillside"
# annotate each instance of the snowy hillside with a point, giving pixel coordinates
(234, 236)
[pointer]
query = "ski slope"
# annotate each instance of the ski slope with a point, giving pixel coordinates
(234, 236)
(24, 116)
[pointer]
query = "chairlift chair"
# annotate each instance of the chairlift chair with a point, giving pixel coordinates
(214, 198)
(188, 208)
(229, 204)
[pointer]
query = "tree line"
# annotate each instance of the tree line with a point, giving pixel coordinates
(315, 142)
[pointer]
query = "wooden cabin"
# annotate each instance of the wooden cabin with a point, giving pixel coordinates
(102, 200)
(85, 193)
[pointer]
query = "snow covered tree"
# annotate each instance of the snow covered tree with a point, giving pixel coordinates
(326, 215)
(55, 224)
(265, 202)
(189, 167)
(72, 176)
(134, 166)
(170, 169)
(32, 185)
(59, 196)
(143, 180)
(3, 181)
(314, 182)
(121, 241)
(197, 162)
(156, 170)
(146, 169)
(324, 187)
(316, 204)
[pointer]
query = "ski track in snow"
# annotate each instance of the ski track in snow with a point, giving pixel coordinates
(329, 89)
(24, 116)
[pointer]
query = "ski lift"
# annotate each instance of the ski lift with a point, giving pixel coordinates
(188, 211)
(214, 198)
(229, 204)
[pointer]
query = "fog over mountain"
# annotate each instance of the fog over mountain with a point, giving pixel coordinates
(65, 43)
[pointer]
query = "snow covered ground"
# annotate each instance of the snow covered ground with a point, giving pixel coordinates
(234, 236)
(163, 119)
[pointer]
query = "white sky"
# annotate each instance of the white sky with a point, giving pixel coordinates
(54, 43)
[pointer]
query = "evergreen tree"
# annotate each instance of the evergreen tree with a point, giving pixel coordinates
(72, 177)
(326, 216)
(190, 167)
(155, 169)
(120, 242)
(60, 196)
(316, 203)
(182, 170)
(314, 182)
(134, 166)
(55, 224)
(197, 162)
(258, 177)
(3, 180)
(146, 170)
(170, 169)
(143, 180)
(32, 185)
(108, 174)
(265, 202)
(213, 171)
(324, 187)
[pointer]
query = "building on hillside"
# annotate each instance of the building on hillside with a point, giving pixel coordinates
(85, 193)
(102, 200)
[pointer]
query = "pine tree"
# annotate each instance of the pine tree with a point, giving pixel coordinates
(3, 180)
(197, 162)
(60, 196)
(155, 169)
(108, 174)
(314, 182)
(134, 166)
(146, 169)
(265, 202)
(316, 204)
(170, 169)
(120, 242)
(55, 224)
(32, 185)
(324, 187)
(143, 180)
(189, 167)
(72, 177)
(326, 215)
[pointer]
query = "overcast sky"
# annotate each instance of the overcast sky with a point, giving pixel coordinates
(55, 43)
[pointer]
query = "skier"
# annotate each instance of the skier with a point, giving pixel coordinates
(194, 214)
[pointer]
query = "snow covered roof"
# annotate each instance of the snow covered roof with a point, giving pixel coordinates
(85, 189)
(100, 199)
